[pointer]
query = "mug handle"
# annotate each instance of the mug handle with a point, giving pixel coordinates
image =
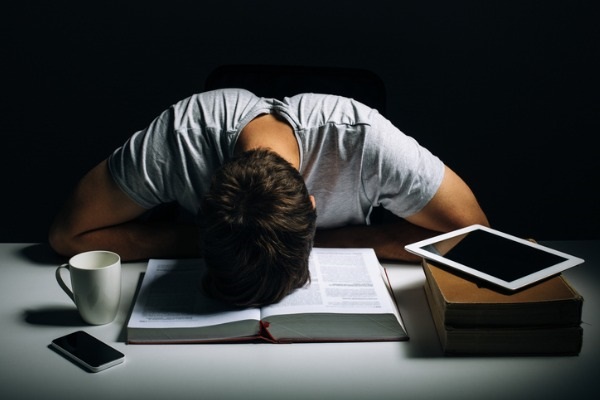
(61, 283)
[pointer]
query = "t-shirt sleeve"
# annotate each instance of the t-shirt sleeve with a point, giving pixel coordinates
(399, 174)
(173, 159)
(140, 166)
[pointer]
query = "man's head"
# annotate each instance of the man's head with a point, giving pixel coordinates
(259, 229)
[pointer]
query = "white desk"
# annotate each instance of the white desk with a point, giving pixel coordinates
(34, 310)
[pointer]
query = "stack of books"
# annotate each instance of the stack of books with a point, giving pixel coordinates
(471, 319)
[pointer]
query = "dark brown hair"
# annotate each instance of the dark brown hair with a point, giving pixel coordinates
(258, 230)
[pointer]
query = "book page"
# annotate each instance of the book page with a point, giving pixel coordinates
(343, 281)
(171, 296)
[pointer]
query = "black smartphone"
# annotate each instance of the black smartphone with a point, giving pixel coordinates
(87, 351)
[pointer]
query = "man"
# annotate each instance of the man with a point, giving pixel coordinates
(228, 157)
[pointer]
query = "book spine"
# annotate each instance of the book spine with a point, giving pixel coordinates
(565, 313)
(558, 341)
(551, 313)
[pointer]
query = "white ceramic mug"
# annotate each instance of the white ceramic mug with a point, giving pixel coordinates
(96, 285)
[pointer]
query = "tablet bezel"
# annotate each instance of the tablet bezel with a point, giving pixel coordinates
(554, 269)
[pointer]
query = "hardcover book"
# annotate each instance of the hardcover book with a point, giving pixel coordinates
(348, 299)
(465, 302)
(557, 340)
(470, 319)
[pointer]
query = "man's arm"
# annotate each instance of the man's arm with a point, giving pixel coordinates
(99, 215)
(453, 206)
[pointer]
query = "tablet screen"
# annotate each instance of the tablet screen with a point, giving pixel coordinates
(495, 256)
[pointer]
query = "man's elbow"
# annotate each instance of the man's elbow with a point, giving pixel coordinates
(481, 218)
(61, 242)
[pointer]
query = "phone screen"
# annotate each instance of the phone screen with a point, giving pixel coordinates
(88, 351)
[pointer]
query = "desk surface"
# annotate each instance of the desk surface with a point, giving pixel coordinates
(34, 310)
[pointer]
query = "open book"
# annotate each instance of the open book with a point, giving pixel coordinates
(348, 299)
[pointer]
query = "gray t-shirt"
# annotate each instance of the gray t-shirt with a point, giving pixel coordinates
(351, 157)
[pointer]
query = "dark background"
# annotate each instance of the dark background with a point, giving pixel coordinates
(506, 93)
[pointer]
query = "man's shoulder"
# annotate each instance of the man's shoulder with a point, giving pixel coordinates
(225, 95)
(316, 109)
(220, 107)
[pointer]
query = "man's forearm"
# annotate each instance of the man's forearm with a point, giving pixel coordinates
(387, 239)
(138, 240)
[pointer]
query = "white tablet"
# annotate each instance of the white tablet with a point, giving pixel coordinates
(494, 256)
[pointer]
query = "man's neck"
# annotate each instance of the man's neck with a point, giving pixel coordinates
(267, 131)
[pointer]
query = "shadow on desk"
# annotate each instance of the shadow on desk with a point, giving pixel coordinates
(54, 316)
(42, 254)
(423, 342)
